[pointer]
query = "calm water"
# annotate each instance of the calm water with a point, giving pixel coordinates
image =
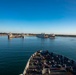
(14, 53)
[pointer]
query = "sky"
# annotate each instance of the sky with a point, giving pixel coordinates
(38, 16)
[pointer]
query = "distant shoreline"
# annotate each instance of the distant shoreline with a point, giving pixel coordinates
(31, 34)
(66, 35)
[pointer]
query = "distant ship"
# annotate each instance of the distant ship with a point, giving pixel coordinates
(43, 35)
(10, 35)
(46, 63)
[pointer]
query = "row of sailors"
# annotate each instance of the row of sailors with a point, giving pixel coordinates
(55, 61)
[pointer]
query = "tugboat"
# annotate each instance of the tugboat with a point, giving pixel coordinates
(46, 63)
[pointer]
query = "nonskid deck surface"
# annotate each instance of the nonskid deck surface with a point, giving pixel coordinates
(45, 63)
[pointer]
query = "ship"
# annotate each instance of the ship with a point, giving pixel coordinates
(43, 35)
(10, 35)
(49, 63)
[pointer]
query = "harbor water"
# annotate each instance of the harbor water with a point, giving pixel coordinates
(14, 53)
